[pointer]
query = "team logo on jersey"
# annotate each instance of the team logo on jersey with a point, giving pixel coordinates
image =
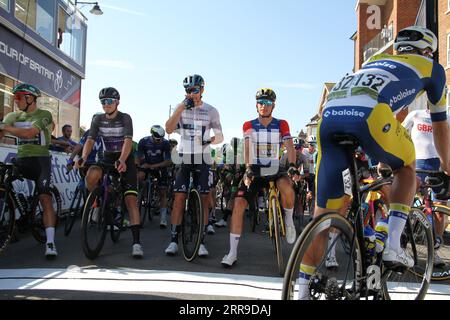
(387, 128)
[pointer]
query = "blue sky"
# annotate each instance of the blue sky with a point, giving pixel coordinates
(146, 48)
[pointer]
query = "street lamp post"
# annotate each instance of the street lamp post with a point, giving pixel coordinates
(95, 10)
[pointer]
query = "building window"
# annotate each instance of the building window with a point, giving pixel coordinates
(71, 35)
(4, 4)
(38, 15)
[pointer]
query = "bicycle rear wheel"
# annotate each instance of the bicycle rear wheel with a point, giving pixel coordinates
(192, 226)
(74, 209)
(93, 224)
(412, 283)
(276, 233)
(7, 219)
(343, 283)
(442, 272)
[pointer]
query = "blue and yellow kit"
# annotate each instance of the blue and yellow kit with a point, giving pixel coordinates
(364, 104)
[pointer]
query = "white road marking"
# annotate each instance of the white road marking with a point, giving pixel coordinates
(150, 281)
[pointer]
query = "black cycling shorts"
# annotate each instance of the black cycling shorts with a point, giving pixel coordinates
(204, 178)
(258, 184)
(38, 169)
(129, 177)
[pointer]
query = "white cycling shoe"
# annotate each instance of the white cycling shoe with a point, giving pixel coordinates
(172, 249)
(392, 258)
(202, 251)
(291, 234)
(228, 261)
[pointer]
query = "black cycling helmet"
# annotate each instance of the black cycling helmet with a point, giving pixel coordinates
(28, 89)
(109, 92)
(266, 93)
(194, 80)
(157, 132)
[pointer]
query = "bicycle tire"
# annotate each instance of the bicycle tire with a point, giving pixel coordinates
(443, 273)
(316, 227)
(275, 207)
(143, 204)
(192, 226)
(94, 220)
(7, 220)
(421, 230)
(116, 228)
(74, 208)
(254, 215)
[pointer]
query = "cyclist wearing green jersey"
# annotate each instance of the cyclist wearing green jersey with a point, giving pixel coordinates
(31, 126)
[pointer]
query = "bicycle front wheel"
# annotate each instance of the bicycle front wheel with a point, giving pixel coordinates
(192, 226)
(93, 224)
(276, 213)
(417, 240)
(71, 216)
(312, 249)
(7, 219)
(143, 203)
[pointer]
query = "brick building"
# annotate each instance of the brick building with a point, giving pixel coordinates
(378, 21)
(444, 40)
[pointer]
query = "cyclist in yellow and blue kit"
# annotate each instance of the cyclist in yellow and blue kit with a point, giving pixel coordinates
(363, 104)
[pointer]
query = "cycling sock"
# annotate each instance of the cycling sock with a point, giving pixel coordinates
(175, 229)
(50, 233)
(303, 280)
(331, 241)
(234, 241)
(398, 214)
(288, 216)
(163, 211)
(135, 231)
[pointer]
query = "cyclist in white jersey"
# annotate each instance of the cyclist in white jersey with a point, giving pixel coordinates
(418, 123)
(193, 120)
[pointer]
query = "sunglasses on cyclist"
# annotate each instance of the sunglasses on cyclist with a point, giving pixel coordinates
(265, 102)
(194, 90)
(107, 101)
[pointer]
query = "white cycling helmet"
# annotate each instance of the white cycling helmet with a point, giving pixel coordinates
(312, 139)
(157, 132)
(417, 37)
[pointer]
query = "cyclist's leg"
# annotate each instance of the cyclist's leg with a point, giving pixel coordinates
(180, 189)
(390, 143)
(284, 185)
(40, 173)
(130, 197)
(243, 197)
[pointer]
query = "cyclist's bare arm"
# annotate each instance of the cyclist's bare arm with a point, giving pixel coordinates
(218, 138)
(171, 124)
(87, 148)
(442, 143)
(292, 157)
(23, 133)
(126, 150)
